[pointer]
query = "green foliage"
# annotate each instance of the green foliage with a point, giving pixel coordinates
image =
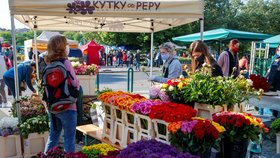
(275, 126)
(39, 124)
(106, 89)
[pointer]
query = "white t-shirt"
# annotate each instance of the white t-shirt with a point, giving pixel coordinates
(3, 68)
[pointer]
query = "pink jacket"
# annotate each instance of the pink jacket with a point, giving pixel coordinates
(74, 82)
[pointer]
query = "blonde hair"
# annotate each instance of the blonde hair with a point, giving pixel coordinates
(200, 46)
(56, 48)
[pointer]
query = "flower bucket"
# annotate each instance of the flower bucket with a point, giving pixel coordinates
(278, 142)
(161, 131)
(34, 144)
(205, 154)
(206, 110)
(145, 127)
(88, 83)
(10, 146)
(235, 149)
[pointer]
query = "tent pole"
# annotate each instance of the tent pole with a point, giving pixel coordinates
(151, 60)
(15, 67)
(36, 54)
(201, 20)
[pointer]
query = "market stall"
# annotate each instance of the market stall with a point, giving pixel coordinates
(42, 41)
(106, 16)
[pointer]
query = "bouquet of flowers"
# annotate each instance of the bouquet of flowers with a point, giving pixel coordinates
(218, 90)
(152, 149)
(171, 112)
(97, 149)
(83, 69)
(58, 152)
(240, 126)
(195, 136)
(144, 107)
(8, 126)
(175, 89)
(29, 107)
(154, 91)
(39, 124)
(121, 99)
(259, 82)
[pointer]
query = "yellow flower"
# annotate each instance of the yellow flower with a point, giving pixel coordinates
(198, 118)
(218, 127)
(180, 85)
(164, 85)
(253, 121)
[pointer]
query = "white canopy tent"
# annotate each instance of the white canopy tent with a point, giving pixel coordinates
(42, 41)
(147, 16)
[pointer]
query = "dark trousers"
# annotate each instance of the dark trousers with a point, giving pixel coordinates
(10, 82)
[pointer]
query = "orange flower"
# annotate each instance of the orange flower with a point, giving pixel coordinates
(174, 126)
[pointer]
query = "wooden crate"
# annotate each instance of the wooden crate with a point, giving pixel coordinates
(108, 129)
(34, 144)
(145, 127)
(118, 134)
(161, 131)
(88, 84)
(10, 147)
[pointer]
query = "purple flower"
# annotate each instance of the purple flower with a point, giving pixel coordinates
(187, 126)
(151, 149)
(163, 96)
(154, 91)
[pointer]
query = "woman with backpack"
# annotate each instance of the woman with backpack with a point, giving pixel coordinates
(66, 118)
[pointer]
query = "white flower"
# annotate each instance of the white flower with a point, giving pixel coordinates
(170, 88)
(250, 82)
(8, 122)
(182, 77)
(28, 126)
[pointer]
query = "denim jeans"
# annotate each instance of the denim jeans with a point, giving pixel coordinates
(10, 82)
(66, 120)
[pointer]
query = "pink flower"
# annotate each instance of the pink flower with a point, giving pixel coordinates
(187, 126)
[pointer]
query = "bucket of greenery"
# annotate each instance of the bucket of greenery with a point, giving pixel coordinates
(275, 126)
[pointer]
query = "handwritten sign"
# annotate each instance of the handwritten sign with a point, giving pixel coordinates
(88, 7)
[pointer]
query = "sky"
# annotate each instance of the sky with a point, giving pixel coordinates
(5, 20)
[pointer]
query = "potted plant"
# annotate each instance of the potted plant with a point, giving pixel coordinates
(240, 128)
(34, 130)
(9, 134)
(275, 126)
(196, 136)
(86, 74)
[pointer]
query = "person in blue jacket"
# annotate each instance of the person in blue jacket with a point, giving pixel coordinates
(25, 71)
